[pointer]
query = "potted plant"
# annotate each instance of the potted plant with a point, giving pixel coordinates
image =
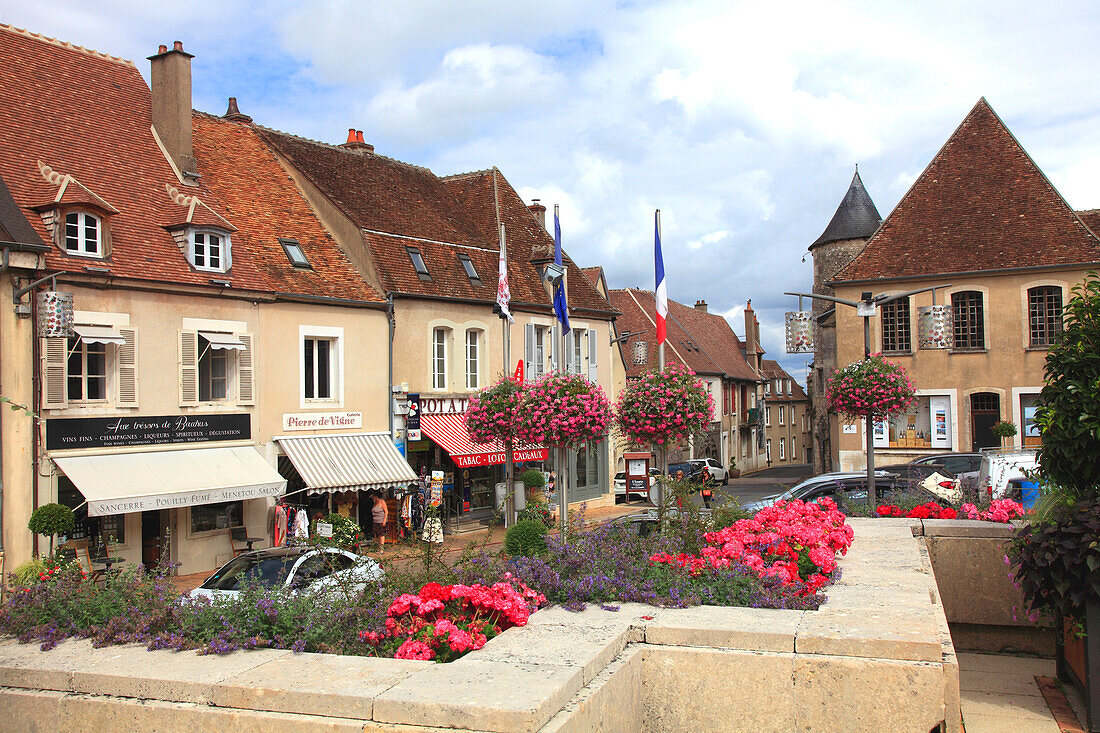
(534, 481)
(734, 470)
(1057, 554)
(51, 520)
(1003, 429)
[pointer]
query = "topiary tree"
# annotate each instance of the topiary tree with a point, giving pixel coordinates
(526, 538)
(51, 520)
(1069, 405)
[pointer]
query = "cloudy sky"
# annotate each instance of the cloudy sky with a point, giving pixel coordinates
(741, 123)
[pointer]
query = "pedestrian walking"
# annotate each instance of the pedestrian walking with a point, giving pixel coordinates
(380, 514)
(708, 483)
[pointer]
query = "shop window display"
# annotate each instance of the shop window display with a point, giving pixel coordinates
(223, 515)
(925, 425)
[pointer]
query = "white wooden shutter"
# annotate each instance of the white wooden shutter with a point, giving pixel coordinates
(593, 350)
(528, 351)
(127, 395)
(189, 368)
(55, 355)
(245, 380)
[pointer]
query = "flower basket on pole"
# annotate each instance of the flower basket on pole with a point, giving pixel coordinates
(494, 414)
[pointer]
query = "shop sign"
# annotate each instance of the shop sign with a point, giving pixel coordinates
(109, 432)
(324, 530)
(443, 405)
(412, 417)
(497, 457)
(322, 420)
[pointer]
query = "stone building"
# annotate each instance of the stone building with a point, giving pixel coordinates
(786, 417)
(854, 221)
(984, 226)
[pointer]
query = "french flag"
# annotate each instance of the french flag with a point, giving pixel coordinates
(661, 293)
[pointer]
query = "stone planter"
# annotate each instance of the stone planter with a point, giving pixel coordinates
(1079, 661)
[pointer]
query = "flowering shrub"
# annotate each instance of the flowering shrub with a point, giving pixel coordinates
(563, 410)
(931, 510)
(493, 413)
(443, 622)
(793, 541)
(659, 407)
(872, 387)
(1002, 510)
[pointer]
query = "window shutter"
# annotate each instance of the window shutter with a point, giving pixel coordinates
(244, 371)
(189, 368)
(55, 353)
(127, 395)
(529, 351)
(593, 351)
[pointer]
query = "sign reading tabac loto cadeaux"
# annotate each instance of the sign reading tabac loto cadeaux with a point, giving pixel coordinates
(322, 420)
(106, 432)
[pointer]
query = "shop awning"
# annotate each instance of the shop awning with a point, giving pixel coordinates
(99, 335)
(122, 483)
(449, 431)
(222, 340)
(356, 462)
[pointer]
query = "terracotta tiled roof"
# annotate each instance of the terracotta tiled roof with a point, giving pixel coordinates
(87, 117)
(1091, 218)
(487, 197)
(981, 204)
(258, 195)
(594, 275)
(703, 342)
(772, 370)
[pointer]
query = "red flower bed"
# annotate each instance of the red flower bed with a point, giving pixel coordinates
(443, 622)
(931, 510)
(793, 541)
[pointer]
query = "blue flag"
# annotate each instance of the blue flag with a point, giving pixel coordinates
(561, 308)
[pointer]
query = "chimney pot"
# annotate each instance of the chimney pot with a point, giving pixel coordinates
(539, 211)
(162, 48)
(355, 142)
(359, 137)
(234, 112)
(701, 305)
(177, 45)
(351, 135)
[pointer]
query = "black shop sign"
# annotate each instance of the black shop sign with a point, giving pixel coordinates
(107, 432)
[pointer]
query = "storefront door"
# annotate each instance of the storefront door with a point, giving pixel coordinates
(985, 411)
(154, 529)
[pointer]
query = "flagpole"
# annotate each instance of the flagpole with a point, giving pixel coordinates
(509, 466)
(661, 344)
(561, 457)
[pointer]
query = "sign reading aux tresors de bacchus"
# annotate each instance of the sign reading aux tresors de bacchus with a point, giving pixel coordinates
(105, 432)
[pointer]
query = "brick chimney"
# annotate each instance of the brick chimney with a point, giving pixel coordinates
(356, 143)
(539, 211)
(751, 334)
(701, 305)
(171, 87)
(233, 113)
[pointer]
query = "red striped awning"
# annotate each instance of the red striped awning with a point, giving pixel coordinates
(449, 432)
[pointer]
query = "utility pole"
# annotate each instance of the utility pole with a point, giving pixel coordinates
(509, 467)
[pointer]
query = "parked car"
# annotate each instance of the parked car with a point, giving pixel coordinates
(849, 489)
(965, 466)
(297, 569)
(619, 484)
(933, 477)
(1004, 469)
(804, 488)
(693, 470)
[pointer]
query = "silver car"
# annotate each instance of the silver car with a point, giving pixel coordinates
(295, 569)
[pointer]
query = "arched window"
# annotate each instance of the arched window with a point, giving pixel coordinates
(896, 334)
(969, 319)
(1044, 307)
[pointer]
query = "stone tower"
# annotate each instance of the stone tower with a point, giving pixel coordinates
(855, 220)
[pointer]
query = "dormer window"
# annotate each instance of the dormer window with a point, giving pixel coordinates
(209, 250)
(418, 263)
(468, 266)
(83, 234)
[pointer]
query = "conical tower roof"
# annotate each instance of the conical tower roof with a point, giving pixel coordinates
(855, 218)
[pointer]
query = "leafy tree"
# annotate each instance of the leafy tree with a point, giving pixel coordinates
(51, 519)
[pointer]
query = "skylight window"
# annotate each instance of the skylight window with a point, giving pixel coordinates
(468, 266)
(295, 253)
(418, 263)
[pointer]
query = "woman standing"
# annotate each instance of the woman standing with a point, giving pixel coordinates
(380, 515)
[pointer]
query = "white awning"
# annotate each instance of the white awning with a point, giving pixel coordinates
(99, 335)
(356, 462)
(222, 340)
(136, 482)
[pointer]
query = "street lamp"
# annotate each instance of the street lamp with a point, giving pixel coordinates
(866, 307)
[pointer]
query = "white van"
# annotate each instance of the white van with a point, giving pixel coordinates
(1004, 468)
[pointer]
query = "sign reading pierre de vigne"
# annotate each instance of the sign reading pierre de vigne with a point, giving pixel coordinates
(106, 432)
